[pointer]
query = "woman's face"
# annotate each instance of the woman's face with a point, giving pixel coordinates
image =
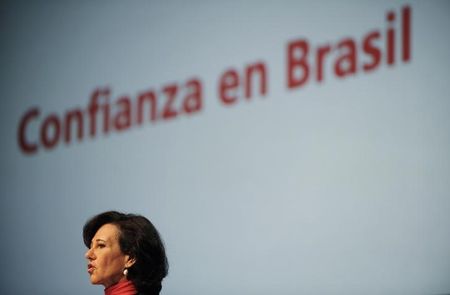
(106, 260)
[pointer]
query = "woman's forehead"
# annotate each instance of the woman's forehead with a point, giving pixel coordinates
(107, 232)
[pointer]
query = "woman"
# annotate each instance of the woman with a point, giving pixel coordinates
(125, 255)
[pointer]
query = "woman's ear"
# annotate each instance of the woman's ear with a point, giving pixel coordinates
(129, 261)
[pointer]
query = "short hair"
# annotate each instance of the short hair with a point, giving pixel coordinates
(139, 239)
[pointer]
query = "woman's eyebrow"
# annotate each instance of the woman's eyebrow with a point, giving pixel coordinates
(98, 240)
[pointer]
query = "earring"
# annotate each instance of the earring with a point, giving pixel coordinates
(125, 272)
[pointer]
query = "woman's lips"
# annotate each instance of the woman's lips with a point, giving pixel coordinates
(90, 268)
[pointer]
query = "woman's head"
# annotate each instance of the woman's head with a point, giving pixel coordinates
(118, 241)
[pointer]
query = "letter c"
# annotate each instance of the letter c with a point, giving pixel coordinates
(25, 145)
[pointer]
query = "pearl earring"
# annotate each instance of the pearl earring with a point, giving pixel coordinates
(125, 272)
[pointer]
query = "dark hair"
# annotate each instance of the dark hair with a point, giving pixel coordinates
(140, 240)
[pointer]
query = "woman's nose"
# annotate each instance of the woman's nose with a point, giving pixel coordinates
(89, 255)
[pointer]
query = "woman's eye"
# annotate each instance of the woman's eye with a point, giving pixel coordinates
(101, 246)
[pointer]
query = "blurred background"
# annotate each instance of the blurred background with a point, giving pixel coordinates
(335, 187)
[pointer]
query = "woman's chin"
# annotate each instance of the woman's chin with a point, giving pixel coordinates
(94, 280)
